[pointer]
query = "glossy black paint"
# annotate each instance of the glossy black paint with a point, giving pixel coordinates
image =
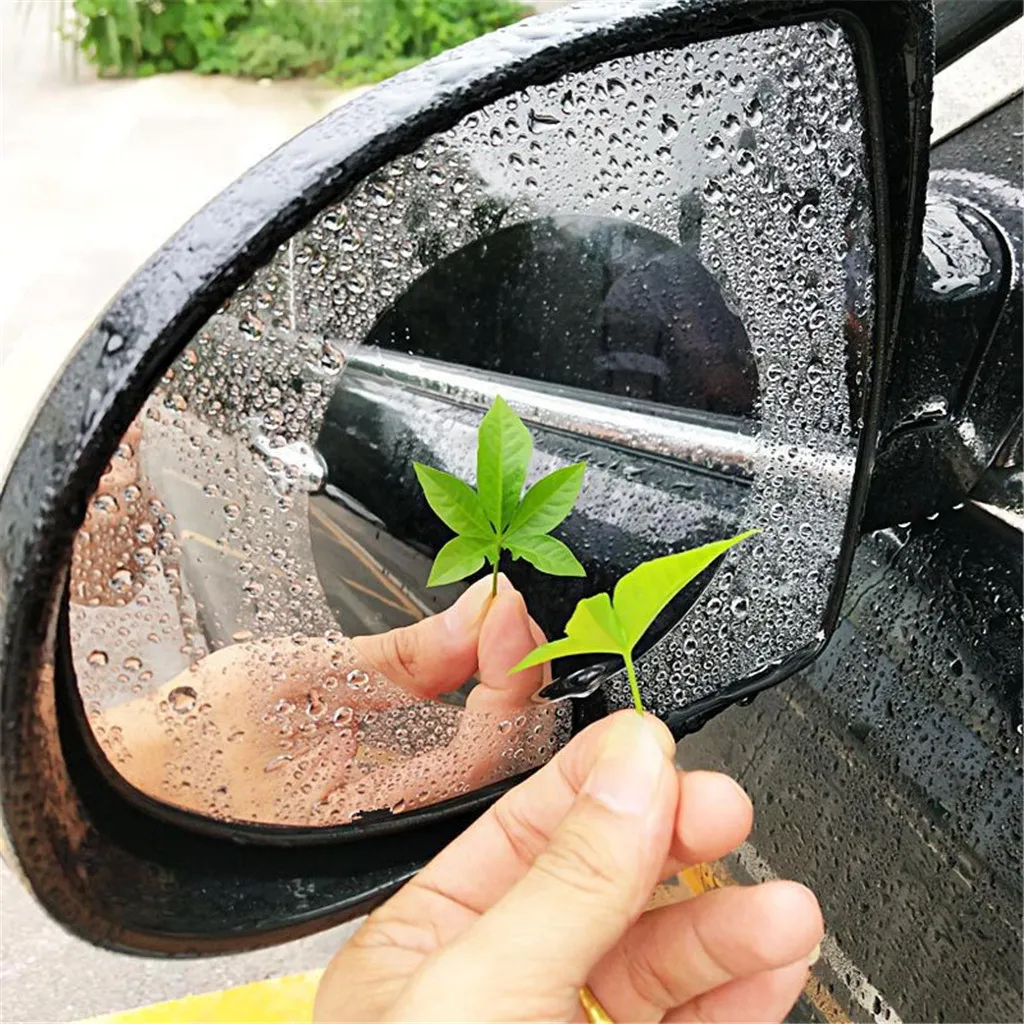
(960, 25)
(990, 144)
(887, 776)
(955, 388)
(117, 876)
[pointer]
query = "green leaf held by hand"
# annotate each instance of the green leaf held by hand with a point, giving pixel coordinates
(614, 625)
(497, 516)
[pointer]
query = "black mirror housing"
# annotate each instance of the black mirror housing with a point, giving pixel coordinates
(106, 869)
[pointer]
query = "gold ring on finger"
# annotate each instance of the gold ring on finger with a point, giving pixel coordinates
(592, 1008)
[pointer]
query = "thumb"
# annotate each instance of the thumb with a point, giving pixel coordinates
(436, 654)
(596, 874)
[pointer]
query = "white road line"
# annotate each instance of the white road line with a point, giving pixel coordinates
(863, 992)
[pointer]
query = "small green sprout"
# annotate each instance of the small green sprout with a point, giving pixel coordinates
(614, 625)
(497, 516)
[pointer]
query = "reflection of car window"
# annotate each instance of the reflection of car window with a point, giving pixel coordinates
(584, 302)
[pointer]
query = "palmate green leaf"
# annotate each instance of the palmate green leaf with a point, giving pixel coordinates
(640, 595)
(454, 502)
(544, 552)
(459, 558)
(549, 500)
(503, 450)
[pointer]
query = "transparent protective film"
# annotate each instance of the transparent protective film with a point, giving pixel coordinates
(663, 264)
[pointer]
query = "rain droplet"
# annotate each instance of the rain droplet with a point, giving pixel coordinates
(745, 162)
(357, 679)
(278, 762)
(538, 123)
(182, 699)
(98, 658)
(668, 126)
(715, 146)
(712, 192)
(121, 580)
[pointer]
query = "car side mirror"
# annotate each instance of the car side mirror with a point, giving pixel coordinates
(674, 236)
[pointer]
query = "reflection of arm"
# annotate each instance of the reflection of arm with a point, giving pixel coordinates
(306, 731)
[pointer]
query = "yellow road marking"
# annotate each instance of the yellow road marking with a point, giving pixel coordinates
(376, 596)
(347, 542)
(287, 1000)
(713, 876)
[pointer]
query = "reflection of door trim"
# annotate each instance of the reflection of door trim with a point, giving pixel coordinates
(718, 443)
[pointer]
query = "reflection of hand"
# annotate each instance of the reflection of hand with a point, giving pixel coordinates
(544, 894)
(297, 730)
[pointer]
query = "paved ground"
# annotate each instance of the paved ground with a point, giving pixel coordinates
(94, 176)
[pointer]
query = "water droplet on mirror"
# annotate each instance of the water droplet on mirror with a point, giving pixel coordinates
(715, 147)
(278, 762)
(121, 580)
(98, 658)
(182, 699)
(669, 127)
(357, 679)
(105, 503)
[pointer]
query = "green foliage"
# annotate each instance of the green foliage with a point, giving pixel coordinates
(615, 625)
(347, 41)
(497, 516)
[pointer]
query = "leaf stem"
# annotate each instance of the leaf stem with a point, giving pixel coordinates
(633, 684)
(494, 575)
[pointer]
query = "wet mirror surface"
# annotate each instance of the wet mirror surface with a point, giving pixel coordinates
(663, 264)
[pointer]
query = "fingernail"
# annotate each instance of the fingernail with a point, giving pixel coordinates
(504, 583)
(815, 955)
(625, 777)
(467, 613)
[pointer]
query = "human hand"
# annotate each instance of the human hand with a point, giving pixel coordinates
(546, 892)
(304, 730)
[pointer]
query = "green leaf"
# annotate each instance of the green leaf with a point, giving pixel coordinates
(454, 502)
(594, 620)
(544, 552)
(504, 447)
(599, 626)
(549, 500)
(563, 648)
(459, 558)
(591, 630)
(641, 594)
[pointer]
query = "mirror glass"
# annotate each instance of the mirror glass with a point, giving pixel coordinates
(663, 263)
